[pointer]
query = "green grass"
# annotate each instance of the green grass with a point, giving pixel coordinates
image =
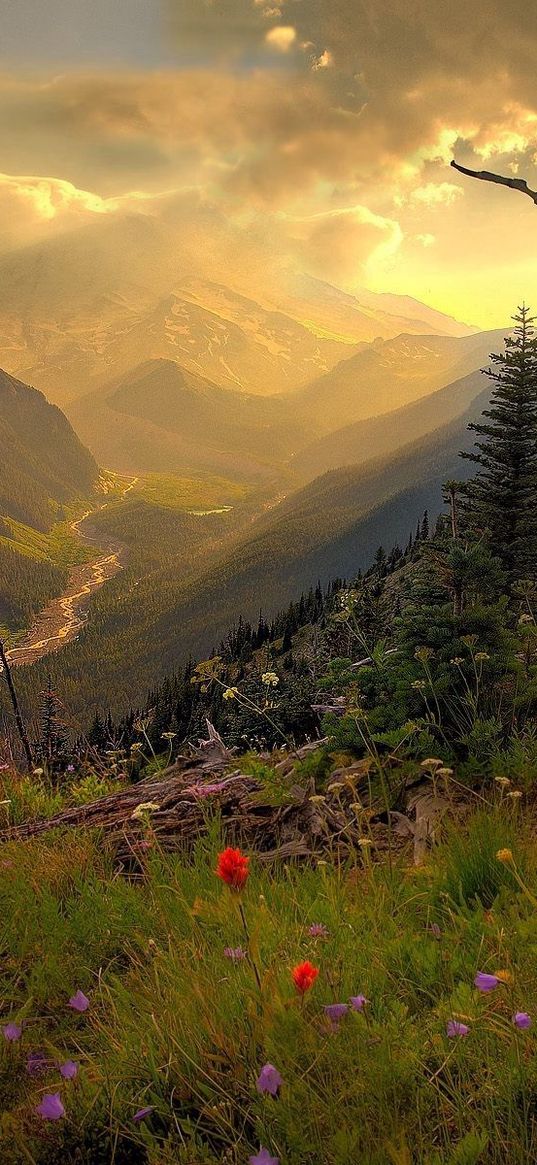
(60, 546)
(175, 1025)
(186, 493)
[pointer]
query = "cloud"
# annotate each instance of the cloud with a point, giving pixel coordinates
(282, 37)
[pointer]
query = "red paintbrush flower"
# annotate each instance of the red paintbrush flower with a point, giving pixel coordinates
(232, 868)
(304, 976)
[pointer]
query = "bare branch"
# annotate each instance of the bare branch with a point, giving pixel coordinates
(486, 176)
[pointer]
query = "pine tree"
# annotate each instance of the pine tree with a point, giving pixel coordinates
(502, 498)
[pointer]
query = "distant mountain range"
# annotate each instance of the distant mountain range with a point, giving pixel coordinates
(160, 417)
(82, 309)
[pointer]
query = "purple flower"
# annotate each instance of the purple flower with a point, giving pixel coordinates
(269, 1080)
(434, 929)
(51, 1107)
(142, 1113)
(455, 1028)
(36, 1063)
(485, 982)
(318, 930)
(234, 953)
(12, 1031)
(522, 1020)
(79, 1001)
(264, 1158)
(69, 1070)
(335, 1012)
(358, 1002)
(70, 768)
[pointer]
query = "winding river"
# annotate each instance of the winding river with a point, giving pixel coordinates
(63, 617)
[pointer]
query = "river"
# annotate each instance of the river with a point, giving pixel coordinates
(63, 617)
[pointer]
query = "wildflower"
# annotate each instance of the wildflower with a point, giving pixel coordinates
(169, 735)
(435, 930)
(79, 1001)
(234, 953)
(431, 762)
(522, 1020)
(270, 679)
(263, 1158)
(269, 1080)
(142, 1113)
(36, 1063)
(318, 930)
(514, 794)
(141, 810)
(317, 799)
(418, 685)
(38, 772)
(12, 1032)
(335, 1012)
(230, 693)
(481, 656)
(232, 868)
(502, 781)
(457, 660)
(137, 746)
(455, 1028)
(485, 982)
(304, 976)
(69, 1070)
(51, 1107)
(505, 856)
(70, 768)
(358, 1002)
(504, 976)
(444, 772)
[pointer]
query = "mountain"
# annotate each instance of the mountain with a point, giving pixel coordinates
(44, 464)
(43, 468)
(380, 436)
(366, 315)
(391, 373)
(83, 308)
(162, 417)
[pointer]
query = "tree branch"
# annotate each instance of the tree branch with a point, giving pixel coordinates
(486, 176)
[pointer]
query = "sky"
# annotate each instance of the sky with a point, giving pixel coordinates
(306, 136)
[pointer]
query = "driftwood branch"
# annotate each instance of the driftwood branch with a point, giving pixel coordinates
(4, 667)
(486, 176)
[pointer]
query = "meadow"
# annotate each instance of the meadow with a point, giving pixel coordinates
(322, 1013)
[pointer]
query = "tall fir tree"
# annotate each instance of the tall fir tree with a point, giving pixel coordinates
(502, 497)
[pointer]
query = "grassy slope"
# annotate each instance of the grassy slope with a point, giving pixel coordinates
(174, 1025)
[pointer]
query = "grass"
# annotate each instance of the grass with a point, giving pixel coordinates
(186, 493)
(175, 1025)
(60, 546)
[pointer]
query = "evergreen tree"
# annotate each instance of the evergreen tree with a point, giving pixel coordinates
(502, 498)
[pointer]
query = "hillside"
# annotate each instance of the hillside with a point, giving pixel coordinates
(44, 464)
(162, 417)
(388, 374)
(44, 468)
(381, 436)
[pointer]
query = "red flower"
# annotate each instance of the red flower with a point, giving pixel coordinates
(304, 976)
(232, 868)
